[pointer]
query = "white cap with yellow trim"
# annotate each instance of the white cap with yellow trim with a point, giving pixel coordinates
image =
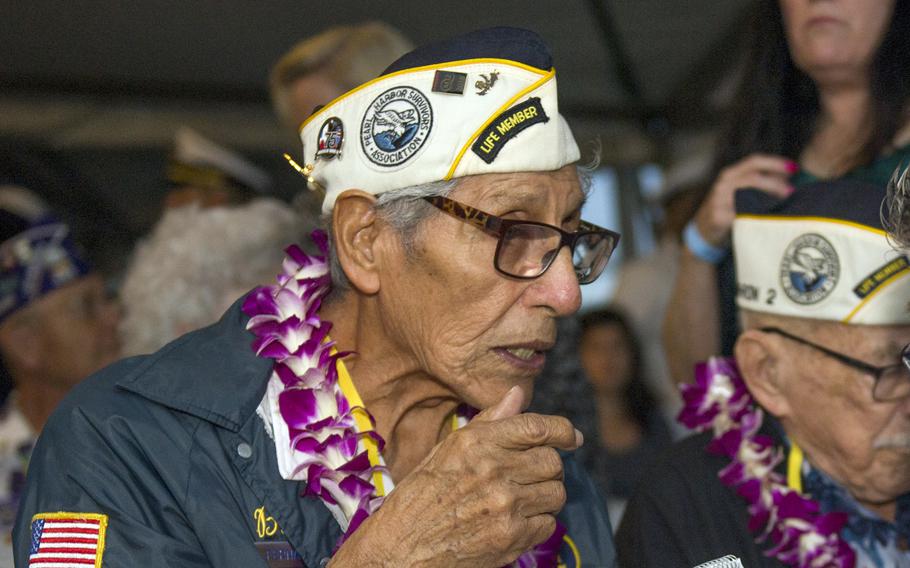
(820, 254)
(485, 102)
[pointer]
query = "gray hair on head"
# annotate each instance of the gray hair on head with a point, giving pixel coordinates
(405, 209)
(895, 211)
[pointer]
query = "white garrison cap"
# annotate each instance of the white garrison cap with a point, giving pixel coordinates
(481, 103)
(821, 254)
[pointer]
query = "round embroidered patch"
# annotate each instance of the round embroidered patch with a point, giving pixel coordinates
(396, 126)
(809, 269)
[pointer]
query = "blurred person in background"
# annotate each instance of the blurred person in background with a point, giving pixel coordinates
(196, 262)
(564, 390)
(645, 283)
(322, 67)
(204, 173)
(631, 429)
(57, 326)
(823, 97)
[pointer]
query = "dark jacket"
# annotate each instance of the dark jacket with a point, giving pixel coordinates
(171, 448)
(683, 516)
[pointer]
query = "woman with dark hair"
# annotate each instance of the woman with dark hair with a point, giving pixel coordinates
(630, 427)
(823, 97)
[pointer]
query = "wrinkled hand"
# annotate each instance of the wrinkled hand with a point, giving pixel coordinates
(484, 495)
(760, 171)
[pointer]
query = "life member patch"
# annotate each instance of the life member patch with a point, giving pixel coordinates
(809, 269)
(396, 126)
(506, 126)
(67, 540)
(882, 274)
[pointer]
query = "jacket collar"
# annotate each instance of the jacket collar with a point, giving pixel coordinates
(211, 373)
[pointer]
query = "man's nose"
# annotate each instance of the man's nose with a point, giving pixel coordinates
(558, 288)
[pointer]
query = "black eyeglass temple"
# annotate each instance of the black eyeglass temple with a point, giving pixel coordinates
(846, 359)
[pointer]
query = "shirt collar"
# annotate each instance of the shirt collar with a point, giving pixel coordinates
(211, 373)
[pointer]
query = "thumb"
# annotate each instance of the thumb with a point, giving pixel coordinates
(509, 405)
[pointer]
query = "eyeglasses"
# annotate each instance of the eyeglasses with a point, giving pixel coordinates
(892, 382)
(526, 249)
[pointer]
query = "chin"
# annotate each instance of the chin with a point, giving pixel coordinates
(884, 494)
(886, 484)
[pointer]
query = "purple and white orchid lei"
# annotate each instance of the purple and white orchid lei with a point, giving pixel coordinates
(320, 421)
(719, 401)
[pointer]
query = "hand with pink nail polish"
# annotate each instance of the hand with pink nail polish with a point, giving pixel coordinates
(765, 172)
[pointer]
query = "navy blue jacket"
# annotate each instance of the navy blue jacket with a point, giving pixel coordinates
(170, 447)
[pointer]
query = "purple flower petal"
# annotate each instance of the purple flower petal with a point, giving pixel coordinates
(322, 241)
(298, 407)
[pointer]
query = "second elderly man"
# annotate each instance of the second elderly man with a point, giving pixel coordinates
(455, 241)
(805, 459)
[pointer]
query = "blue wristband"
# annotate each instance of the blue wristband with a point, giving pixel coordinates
(701, 248)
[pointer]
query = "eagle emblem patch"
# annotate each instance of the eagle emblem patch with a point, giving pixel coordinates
(396, 126)
(810, 269)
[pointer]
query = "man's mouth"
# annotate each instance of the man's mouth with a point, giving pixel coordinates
(899, 442)
(521, 352)
(528, 356)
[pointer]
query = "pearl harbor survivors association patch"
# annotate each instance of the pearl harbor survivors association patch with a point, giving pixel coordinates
(67, 540)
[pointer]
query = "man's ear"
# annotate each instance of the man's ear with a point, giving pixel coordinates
(354, 225)
(759, 359)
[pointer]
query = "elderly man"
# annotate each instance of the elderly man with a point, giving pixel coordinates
(455, 243)
(56, 328)
(806, 456)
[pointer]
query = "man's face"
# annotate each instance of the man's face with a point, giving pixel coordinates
(477, 331)
(76, 332)
(861, 443)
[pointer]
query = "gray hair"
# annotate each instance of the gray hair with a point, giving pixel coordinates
(895, 211)
(405, 209)
(196, 262)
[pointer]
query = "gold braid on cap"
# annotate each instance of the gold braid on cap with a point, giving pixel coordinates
(307, 172)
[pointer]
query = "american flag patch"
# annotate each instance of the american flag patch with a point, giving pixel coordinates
(67, 540)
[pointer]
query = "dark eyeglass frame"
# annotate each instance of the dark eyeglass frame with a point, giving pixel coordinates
(875, 371)
(497, 227)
